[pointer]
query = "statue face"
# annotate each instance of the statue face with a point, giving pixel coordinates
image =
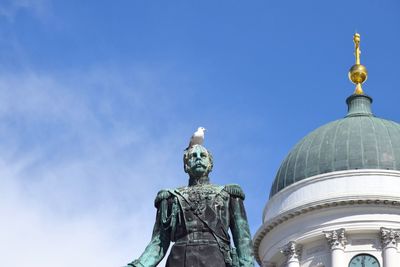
(198, 163)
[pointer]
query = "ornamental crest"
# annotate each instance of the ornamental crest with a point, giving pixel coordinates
(197, 198)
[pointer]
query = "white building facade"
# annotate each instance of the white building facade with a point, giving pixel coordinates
(329, 219)
(335, 201)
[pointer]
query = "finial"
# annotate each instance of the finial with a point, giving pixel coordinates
(357, 52)
(358, 73)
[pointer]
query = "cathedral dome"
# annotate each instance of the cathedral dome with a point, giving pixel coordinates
(358, 141)
(336, 196)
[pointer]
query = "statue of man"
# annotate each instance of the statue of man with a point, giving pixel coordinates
(197, 218)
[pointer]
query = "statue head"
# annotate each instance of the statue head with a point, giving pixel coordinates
(198, 161)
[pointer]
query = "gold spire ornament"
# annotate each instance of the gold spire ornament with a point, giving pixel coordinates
(358, 73)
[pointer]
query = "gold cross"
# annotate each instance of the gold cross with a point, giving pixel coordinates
(357, 51)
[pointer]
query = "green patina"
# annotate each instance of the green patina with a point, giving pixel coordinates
(358, 141)
(198, 218)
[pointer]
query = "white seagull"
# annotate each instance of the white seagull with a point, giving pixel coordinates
(197, 138)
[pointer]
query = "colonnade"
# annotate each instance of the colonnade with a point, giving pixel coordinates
(337, 241)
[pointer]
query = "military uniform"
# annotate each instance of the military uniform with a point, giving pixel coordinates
(198, 218)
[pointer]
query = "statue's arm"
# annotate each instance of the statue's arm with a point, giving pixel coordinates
(160, 240)
(240, 227)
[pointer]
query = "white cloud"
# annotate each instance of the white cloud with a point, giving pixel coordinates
(77, 174)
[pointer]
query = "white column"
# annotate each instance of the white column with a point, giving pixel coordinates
(292, 252)
(337, 241)
(389, 238)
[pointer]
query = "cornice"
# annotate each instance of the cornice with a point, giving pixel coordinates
(317, 206)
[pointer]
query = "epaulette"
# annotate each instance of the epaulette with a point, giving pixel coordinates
(234, 190)
(161, 195)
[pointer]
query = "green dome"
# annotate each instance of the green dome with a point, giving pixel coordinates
(358, 141)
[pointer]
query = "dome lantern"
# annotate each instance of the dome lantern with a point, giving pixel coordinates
(359, 105)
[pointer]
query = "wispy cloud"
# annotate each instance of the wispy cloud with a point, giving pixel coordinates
(77, 177)
(10, 8)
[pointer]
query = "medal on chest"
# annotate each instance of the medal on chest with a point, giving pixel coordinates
(198, 198)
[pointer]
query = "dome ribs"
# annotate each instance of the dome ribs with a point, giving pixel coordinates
(326, 149)
(282, 174)
(340, 160)
(314, 154)
(385, 149)
(356, 149)
(290, 170)
(303, 157)
(369, 145)
(297, 168)
(394, 133)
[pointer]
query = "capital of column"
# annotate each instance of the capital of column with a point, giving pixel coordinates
(292, 251)
(389, 237)
(336, 238)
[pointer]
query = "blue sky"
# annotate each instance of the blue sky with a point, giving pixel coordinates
(99, 98)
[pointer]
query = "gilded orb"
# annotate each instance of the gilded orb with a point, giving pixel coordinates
(358, 73)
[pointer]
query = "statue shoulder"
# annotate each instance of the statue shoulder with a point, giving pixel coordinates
(161, 195)
(180, 189)
(234, 190)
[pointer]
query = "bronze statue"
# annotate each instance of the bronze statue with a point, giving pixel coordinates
(197, 219)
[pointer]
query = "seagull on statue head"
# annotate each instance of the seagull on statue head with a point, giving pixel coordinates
(197, 137)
